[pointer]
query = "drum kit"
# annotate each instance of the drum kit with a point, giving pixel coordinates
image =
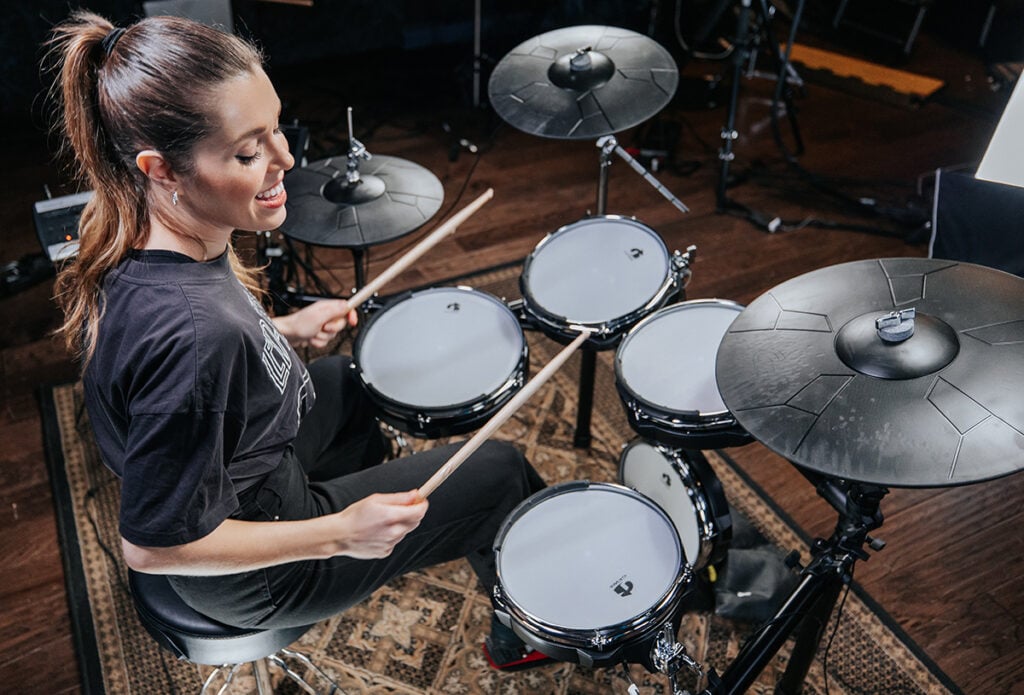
(864, 375)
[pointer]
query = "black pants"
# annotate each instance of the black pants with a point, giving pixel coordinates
(335, 461)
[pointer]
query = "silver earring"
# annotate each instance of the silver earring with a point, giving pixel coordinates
(174, 198)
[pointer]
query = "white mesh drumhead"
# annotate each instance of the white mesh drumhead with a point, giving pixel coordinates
(668, 360)
(441, 347)
(589, 558)
(597, 270)
(647, 470)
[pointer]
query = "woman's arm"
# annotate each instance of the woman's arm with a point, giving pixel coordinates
(317, 323)
(369, 528)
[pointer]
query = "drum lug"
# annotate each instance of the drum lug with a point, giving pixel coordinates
(600, 641)
(518, 309)
(405, 448)
(638, 412)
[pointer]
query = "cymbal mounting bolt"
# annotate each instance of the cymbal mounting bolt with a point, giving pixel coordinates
(896, 326)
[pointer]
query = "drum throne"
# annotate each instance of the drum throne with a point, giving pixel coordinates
(193, 637)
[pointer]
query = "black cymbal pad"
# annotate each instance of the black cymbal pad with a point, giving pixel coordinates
(582, 82)
(806, 370)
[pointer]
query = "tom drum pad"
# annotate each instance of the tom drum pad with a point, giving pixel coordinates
(441, 361)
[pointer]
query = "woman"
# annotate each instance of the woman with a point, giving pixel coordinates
(250, 480)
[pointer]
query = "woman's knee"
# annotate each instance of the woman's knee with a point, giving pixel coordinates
(504, 452)
(331, 371)
(503, 461)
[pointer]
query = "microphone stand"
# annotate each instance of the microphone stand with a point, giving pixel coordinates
(744, 44)
(729, 133)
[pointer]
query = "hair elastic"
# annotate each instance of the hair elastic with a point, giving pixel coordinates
(111, 39)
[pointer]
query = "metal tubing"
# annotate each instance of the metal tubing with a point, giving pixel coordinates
(806, 640)
(588, 360)
(729, 131)
(761, 649)
(588, 365)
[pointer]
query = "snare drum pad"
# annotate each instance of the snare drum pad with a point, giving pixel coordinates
(441, 347)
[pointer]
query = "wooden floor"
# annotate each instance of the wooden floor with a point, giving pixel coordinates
(949, 575)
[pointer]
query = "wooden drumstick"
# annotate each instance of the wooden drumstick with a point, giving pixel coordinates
(418, 250)
(499, 418)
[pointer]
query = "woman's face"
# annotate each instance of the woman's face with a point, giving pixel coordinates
(237, 182)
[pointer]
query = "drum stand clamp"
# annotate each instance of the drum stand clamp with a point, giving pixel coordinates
(681, 263)
(805, 614)
(669, 656)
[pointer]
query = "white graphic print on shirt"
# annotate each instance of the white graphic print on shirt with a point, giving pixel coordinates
(277, 359)
(276, 356)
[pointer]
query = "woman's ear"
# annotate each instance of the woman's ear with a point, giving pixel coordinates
(156, 168)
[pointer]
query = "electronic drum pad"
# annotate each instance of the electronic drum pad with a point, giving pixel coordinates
(582, 82)
(830, 371)
(393, 197)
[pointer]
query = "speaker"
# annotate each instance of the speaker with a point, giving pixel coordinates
(977, 221)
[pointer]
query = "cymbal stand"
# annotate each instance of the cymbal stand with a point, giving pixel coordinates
(477, 56)
(806, 612)
(283, 261)
(608, 145)
(356, 152)
(588, 356)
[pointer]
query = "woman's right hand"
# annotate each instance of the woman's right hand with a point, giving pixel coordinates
(374, 525)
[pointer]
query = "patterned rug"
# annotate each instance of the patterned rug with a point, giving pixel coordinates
(422, 633)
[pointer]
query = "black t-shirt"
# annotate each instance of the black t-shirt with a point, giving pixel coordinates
(192, 392)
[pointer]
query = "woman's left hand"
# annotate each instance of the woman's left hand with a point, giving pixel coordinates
(317, 323)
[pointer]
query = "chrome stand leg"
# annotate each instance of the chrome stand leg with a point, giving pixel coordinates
(299, 656)
(218, 672)
(264, 686)
(308, 663)
(277, 661)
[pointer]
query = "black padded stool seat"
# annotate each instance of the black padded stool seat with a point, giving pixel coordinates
(193, 637)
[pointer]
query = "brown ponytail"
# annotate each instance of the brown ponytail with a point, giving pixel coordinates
(148, 86)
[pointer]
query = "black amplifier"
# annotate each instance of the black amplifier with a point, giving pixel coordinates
(56, 222)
